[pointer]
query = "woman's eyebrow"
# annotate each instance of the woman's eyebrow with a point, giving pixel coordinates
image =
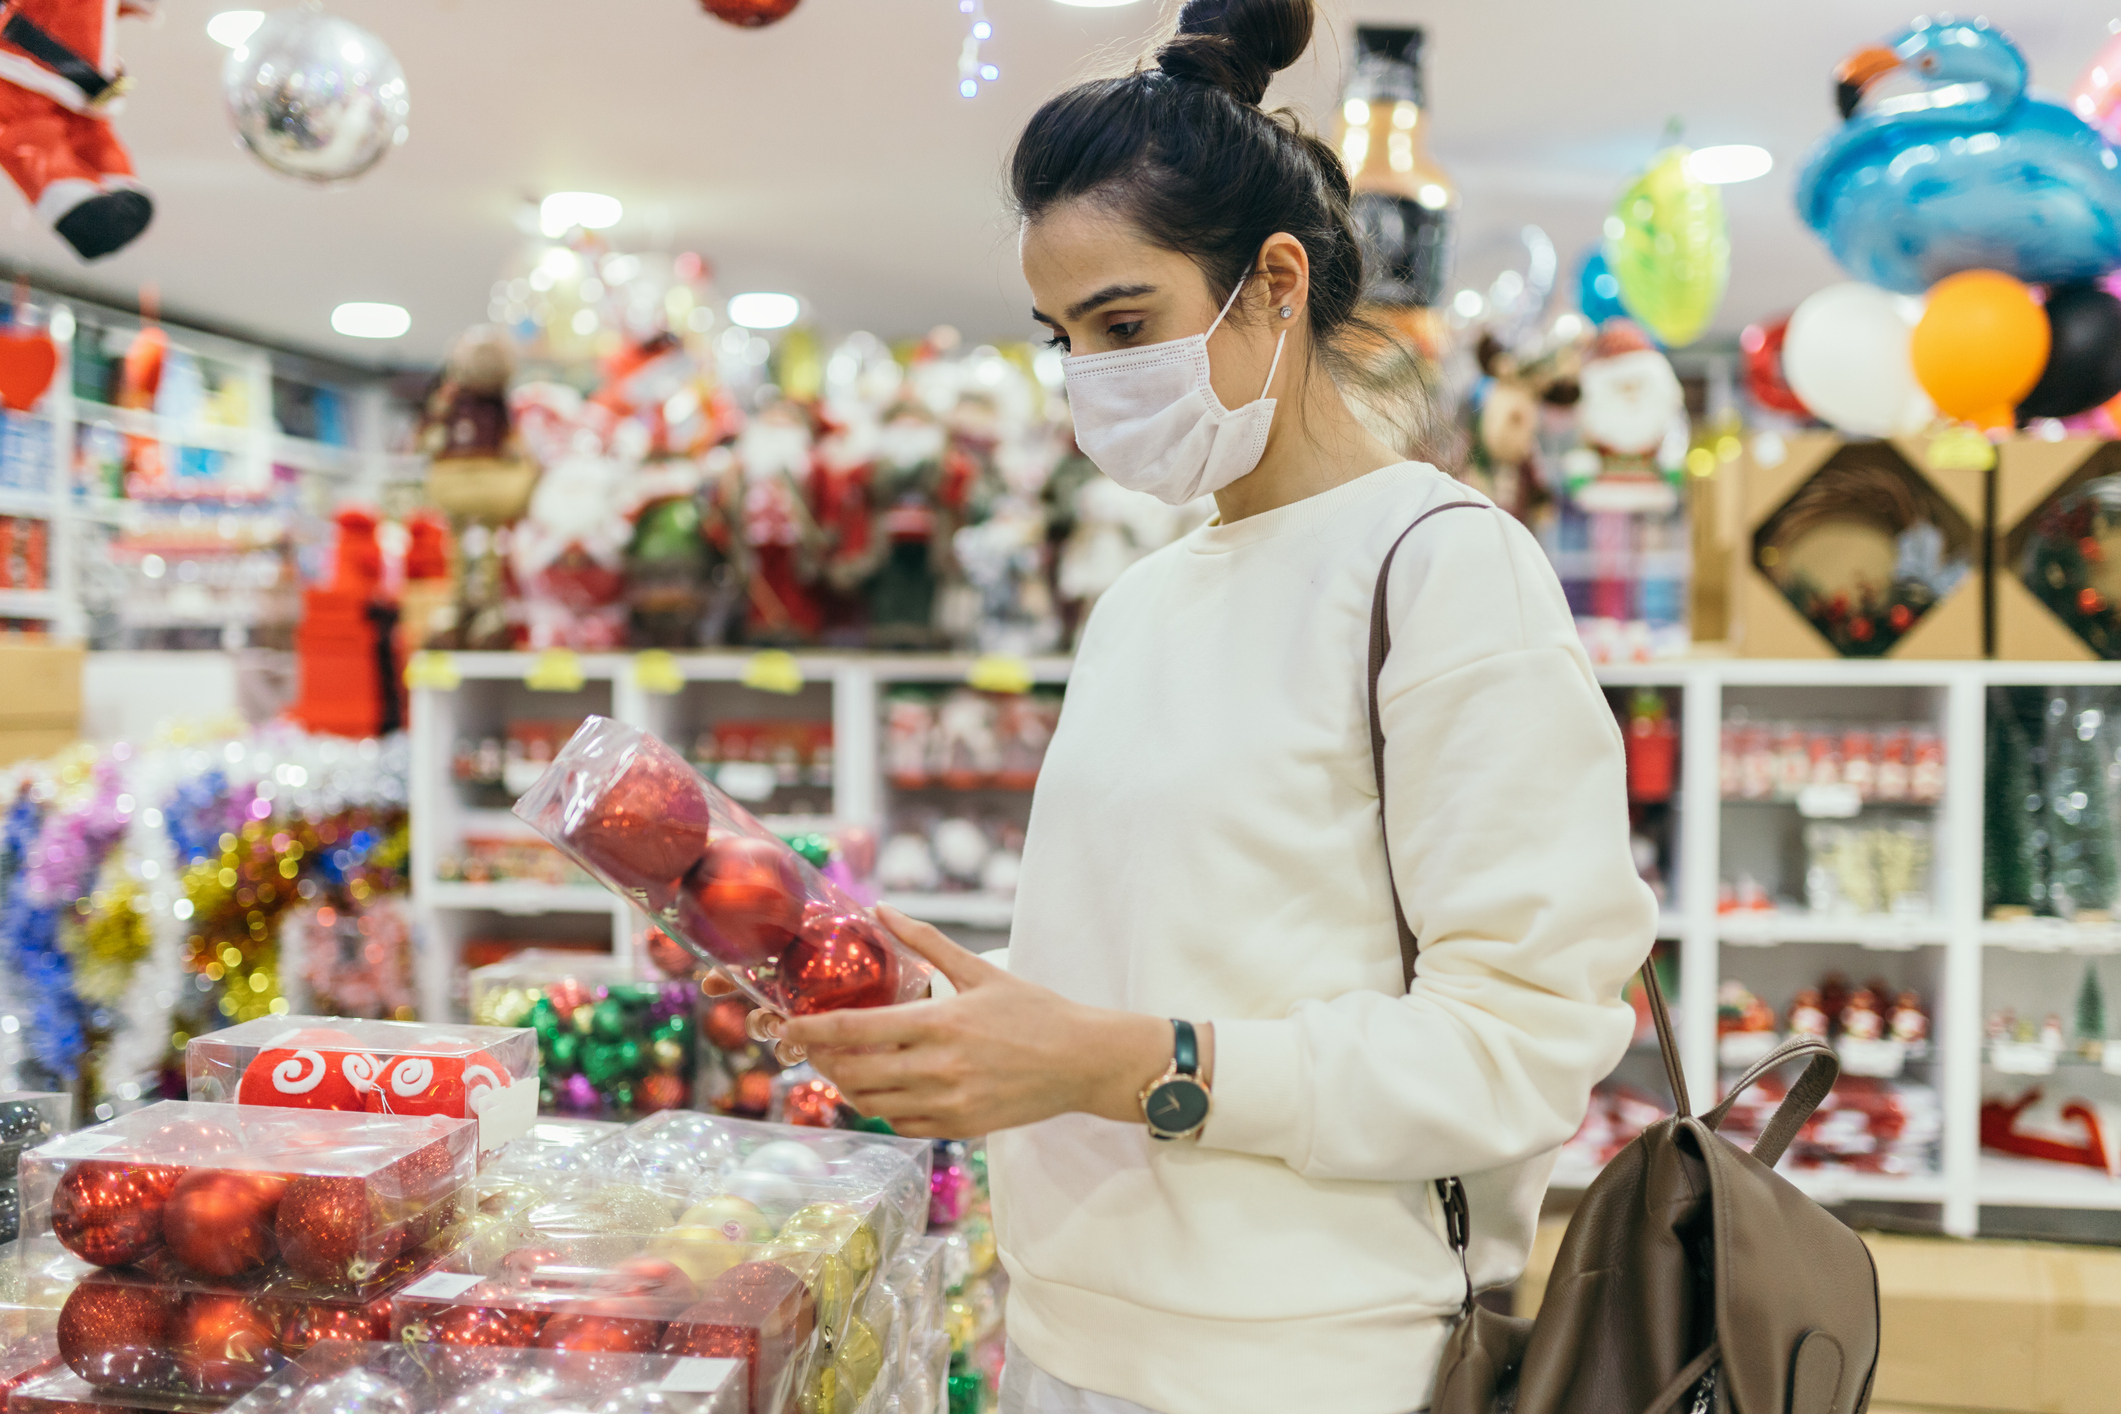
(1104, 296)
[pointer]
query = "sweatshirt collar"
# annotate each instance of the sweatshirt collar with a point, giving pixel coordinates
(1216, 538)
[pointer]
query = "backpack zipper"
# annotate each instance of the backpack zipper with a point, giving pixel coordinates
(1704, 1393)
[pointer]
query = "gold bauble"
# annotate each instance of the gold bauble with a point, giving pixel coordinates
(722, 1210)
(627, 1207)
(835, 1227)
(669, 1055)
(702, 1253)
(832, 1283)
(979, 1239)
(960, 1323)
(839, 1384)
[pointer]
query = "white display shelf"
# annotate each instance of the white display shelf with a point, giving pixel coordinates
(2004, 1181)
(1882, 931)
(1953, 943)
(522, 896)
(14, 501)
(29, 604)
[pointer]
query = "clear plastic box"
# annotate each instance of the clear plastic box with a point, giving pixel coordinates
(199, 1244)
(635, 814)
(393, 1378)
(488, 1073)
(755, 1305)
(614, 1040)
(27, 1119)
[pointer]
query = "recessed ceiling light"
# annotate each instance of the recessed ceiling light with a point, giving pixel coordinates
(564, 210)
(232, 27)
(371, 321)
(1096, 4)
(1735, 162)
(763, 310)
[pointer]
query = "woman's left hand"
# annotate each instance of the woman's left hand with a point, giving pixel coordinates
(1001, 1053)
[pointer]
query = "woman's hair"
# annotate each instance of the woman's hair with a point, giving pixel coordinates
(1183, 150)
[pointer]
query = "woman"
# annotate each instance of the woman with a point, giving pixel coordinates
(1205, 839)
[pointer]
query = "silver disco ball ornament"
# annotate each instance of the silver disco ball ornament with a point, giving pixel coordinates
(315, 96)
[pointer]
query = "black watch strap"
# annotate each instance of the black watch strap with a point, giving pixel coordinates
(1185, 1047)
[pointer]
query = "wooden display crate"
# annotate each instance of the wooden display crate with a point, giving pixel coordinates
(2030, 475)
(1765, 624)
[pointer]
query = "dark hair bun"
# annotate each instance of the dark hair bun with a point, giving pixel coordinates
(1237, 45)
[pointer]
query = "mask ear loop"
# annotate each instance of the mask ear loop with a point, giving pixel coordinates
(1226, 308)
(1279, 343)
(1275, 364)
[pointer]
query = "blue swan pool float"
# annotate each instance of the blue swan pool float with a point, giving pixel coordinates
(1966, 173)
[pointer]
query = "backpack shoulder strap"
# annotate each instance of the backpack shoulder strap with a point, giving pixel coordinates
(1380, 645)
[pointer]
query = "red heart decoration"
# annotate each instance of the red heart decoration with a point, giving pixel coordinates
(27, 363)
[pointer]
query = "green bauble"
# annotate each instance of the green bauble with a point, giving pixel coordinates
(608, 1020)
(544, 1019)
(566, 1053)
(622, 1098)
(968, 1391)
(629, 1056)
(601, 1063)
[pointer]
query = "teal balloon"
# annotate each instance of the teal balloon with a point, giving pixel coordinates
(1598, 290)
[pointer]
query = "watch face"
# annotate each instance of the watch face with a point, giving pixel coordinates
(1177, 1105)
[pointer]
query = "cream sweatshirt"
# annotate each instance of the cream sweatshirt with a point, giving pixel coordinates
(1204, 843)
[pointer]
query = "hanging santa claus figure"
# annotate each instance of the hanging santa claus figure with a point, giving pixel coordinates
(60, 85)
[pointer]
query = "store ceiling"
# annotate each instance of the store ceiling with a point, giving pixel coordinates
(831, 156)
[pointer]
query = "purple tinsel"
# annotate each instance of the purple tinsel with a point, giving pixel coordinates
(202, 810)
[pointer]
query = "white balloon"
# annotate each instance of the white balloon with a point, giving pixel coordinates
(1846, 355)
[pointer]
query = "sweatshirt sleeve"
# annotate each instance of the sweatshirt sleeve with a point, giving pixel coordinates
(1509, 842)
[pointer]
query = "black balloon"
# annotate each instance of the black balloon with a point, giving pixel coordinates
(2084, 353)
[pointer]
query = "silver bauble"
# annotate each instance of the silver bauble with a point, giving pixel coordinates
(315, 96)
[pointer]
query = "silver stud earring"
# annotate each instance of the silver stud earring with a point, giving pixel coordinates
(1286, 311)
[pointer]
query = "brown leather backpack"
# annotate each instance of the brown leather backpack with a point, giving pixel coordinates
(1691, 1274)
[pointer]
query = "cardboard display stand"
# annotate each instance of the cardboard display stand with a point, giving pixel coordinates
(1764, 624)
(2030, 475)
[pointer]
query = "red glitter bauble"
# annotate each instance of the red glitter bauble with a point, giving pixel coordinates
(111, 1214)
(660, 1092)
(838, 963)
(220, 1221)
(752, 1093)
(646, 827)
(221, 1345)
(482, 1325)
(302, 1324)
(725, 1023)
(748, 14)
(305, 1070)
(585, 1330)
(757, 1312)
(812, 1102)
(334, 1230)
(525, 1267)
(744, 900)
(116, 1333)
(671, 957)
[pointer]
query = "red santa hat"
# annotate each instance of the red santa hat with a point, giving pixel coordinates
(1617, 337)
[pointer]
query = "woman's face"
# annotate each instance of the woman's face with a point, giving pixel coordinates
(1097, 285)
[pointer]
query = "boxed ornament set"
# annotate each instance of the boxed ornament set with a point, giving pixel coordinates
(486, 1073)
(27, 1119)
(388, 1377)
(610, 1042)
(632, 811)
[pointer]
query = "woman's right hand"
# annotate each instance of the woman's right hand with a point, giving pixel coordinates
(764, 1026)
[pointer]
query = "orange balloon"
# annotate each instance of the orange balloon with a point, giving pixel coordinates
(1981, 346)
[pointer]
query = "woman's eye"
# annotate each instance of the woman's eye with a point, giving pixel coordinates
(1126, 330)
(1058, 341)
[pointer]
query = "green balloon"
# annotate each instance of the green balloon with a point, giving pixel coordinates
(608, 1021)
(566, 1052)
(1669, 250)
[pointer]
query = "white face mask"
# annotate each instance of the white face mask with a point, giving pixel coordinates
(1151, 421)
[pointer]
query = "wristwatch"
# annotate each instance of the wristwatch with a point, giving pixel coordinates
(1176, 1103)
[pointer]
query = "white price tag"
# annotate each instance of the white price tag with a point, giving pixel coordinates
(1835, 802)
(443, 1286)
(696, 1374)
(506, 1114)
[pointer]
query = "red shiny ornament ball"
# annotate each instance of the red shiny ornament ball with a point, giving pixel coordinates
(335, 1230)
(671, 957)
(838, 963)
(301, 1324)
(1900, 616)
(743, 901)
(110, 1213)
(221, 1343)
(753, 1092)
(219, 1222)
(482, 1325)
(2090, 600)
(649, 1276)
(814, 1103)
(604, 1334)
(306, 1069)
(115, 1333)
(748, 14)
(646, 827)
(726, 1021)
(661, 1092)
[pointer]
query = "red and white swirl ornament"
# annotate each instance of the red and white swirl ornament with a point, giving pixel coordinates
(455, 1086)
(301, 1070)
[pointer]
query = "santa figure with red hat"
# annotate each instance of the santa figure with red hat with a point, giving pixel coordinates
(1632, 416)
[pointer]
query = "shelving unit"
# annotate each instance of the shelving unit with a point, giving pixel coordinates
(1949, 950)
(255, 447)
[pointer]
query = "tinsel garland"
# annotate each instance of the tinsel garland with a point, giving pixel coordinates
(29, 935)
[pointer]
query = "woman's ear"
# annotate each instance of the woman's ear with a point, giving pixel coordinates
(1287, 266)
